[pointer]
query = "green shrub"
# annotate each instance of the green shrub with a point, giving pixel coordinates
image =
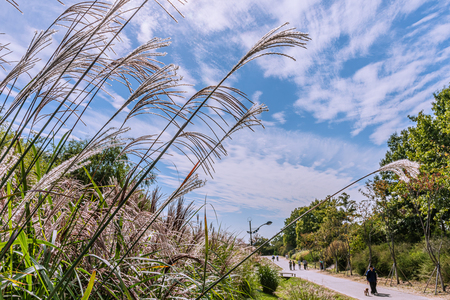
(445, 267)
(269, 279)
(301, 255)
(412, 261)
(381, 259)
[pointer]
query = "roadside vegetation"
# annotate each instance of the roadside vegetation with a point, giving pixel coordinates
(299, 289)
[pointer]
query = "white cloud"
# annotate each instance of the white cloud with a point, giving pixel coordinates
(399, 66)
(399, 60)
(146, 27)
(278, 170)
(116, 100)
(425, 19)
(280, 117)
(256, 95)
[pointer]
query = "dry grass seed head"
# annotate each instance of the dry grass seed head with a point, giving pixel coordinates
(398, 167)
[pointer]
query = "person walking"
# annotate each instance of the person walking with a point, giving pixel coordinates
(273, 258)
(299, 264)
(321, 265)
(293, 265)
(290, 265)
(372, 279)
(277, 257)
(305, 263)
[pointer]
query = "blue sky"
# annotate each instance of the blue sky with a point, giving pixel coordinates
(369, 65)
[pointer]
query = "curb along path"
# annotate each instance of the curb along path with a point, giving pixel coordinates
(344, 286)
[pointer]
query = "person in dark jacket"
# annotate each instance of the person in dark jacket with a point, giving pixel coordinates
(372, 278)
(290, 265)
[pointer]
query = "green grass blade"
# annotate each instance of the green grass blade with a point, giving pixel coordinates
(88, 290)
(117, 273)
(38, 164)
(100, 194)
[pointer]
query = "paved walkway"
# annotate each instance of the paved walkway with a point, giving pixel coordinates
(345, 286)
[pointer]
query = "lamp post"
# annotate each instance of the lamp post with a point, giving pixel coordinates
(256, 230)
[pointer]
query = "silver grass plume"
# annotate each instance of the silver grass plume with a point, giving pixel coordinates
(274, 39)
(53, 176)
(47, 181)
(78, 51)
(3, 61)
(14, 4)
(398, 167)
(7, 163)
(40, 41)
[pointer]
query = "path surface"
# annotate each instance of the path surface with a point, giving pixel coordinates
(345, 286)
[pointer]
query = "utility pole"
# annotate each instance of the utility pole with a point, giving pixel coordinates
(255, 230)
(250, 228)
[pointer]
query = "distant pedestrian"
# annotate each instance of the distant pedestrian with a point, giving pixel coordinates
(321, 265)
(290, 265)
(372, 279)
(305, 264)
(277, 257)
(293, 265)
(299, 264)
(273, 257)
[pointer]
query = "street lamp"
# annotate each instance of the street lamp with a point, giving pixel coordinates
(255, 230)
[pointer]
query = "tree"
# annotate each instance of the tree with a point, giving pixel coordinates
(258, 240)
(309, 224)
(103, 166)
(428, 197)
(426, 142)
(367, 214)
(348, 207)
(387, 208)
(290, 236)
(331, 232)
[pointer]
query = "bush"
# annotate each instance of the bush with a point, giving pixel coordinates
(445, 267)
(381, 259)
(411, 260)
(269, 279)
(301, 255)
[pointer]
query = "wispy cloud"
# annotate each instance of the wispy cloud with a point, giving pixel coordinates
(279, 170)
(363, 65)
(280, 117)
